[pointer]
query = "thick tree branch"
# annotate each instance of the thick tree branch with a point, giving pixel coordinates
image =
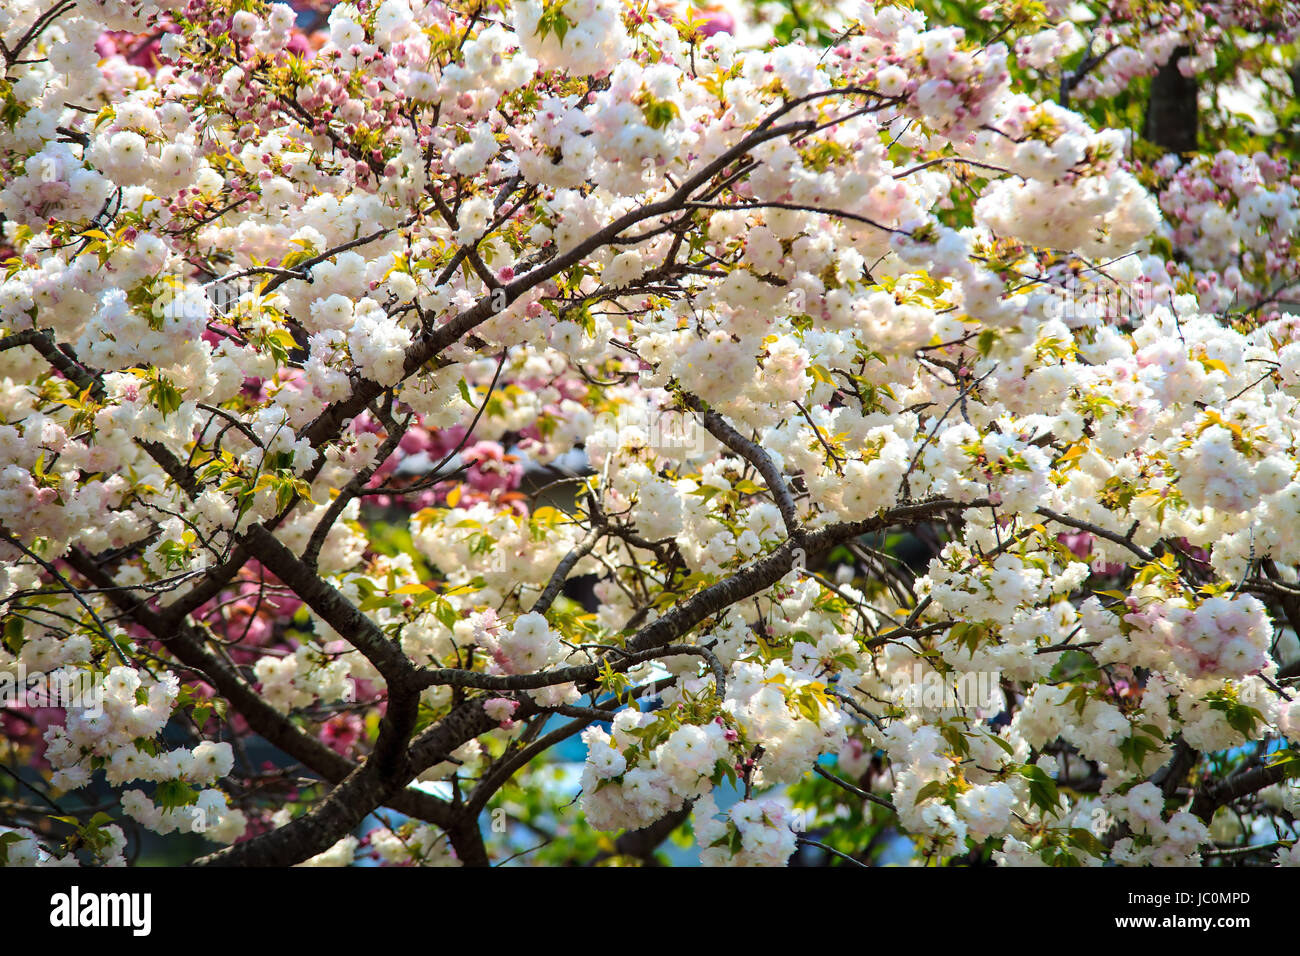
(337, 611)
(722, 430)
(1215, 794)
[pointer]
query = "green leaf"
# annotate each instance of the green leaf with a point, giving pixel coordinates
(1087, 841)
(165, 396)
(1043, 792)
(935, 788)
(820, 374)
(175, 793)
(13, 634)
(956, 740)
(1011, 751)
(446, 614)
(7, 840)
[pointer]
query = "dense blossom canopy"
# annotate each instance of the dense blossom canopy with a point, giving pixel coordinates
(408, 387)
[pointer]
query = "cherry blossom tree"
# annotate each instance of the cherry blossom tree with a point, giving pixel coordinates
(857, 424)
